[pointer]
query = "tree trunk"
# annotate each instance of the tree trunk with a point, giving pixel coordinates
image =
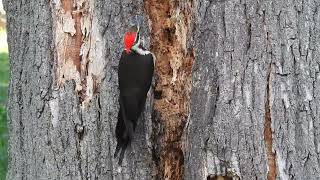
(256, 91)
(236, 95)
(63, 103)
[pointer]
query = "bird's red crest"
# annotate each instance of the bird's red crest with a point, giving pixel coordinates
(129, 39)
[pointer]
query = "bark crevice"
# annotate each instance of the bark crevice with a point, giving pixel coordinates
(170, 23)
(271, 157)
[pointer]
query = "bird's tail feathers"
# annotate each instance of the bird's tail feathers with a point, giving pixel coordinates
(121, 147)
(126, 126)
(129, 129)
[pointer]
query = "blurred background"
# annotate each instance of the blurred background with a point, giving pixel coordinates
(4, 80)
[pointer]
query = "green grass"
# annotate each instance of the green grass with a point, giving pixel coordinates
(3, 143)
(4, 79)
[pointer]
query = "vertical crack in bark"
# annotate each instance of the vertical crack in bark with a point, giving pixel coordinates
(272, 173)
(213, 177)
(170, 22)
(79, 131)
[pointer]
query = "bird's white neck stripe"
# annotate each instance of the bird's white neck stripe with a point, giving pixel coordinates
(139, 50)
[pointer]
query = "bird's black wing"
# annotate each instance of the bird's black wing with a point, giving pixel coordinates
(135, 76)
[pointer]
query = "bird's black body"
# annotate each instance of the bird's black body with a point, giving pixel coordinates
(135, 76)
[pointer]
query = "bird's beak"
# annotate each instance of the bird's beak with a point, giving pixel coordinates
(136, 20)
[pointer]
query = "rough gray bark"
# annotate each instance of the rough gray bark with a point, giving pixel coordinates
(52, 136)
(237, 44)
(254, 103)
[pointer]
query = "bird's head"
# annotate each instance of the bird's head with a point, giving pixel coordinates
(131, 38)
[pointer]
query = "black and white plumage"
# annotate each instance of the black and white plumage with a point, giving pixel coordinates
(136, 68)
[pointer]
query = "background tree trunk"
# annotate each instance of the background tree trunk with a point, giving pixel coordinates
(255, 94)
(251, 110)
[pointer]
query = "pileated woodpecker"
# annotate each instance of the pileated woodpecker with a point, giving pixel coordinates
(136, 67)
